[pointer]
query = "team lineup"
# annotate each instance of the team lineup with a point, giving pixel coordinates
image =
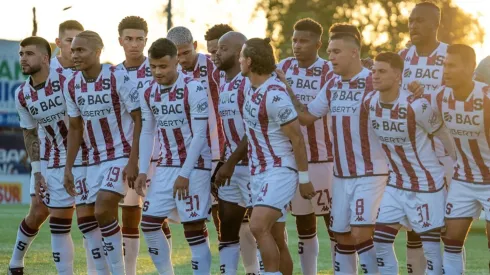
(367, 147)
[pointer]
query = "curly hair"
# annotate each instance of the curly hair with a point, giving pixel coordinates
(216, 31)
(132, 22)
(308, 24)
(262, 55)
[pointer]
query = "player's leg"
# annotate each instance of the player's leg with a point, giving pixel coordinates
(453, 239)
(131, 218)
(215, 203)
(248, 246)
(333, 243)
(286, 262)
(416, 261)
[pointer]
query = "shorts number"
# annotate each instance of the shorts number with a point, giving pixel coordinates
(449, 207)
(360, 207)
(81, 187)
(421, 212)
(145, 206)
(300, 247)
(21, 245)
(264, 189)
(113, 174)
(96, 253)
(190, 202)
(56, 257)
(46, 198)
(320, 195)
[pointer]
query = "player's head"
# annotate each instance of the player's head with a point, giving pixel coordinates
(459, 65)
(162, 56)
(213, 35)
(132, 35)
(186, 46)
(343, 50)
(482, 72)
(387, 71)
(86, 49)
(257, 56)
(345, 28)
(34, 54)
(307, 39)
(67, 30)
(229, 47)
(423, 23)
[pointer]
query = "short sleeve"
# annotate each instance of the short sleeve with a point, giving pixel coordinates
(280, 108)
(426, 117)
(26, 119)
(320, 106)
(198, 100)
(127, 91)
(69, 94)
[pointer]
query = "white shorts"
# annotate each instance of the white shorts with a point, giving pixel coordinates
(159, 201)
(418, 211)
(132, 199)
(214, 200)
(448, 164)
(239, 191)
(355, 201)
(321, 176)
(107, 176)
(274, 188)
(56, 195)
(466, 200)
(32, 184)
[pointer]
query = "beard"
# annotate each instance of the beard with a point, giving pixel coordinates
(30, 70)
(226, 64)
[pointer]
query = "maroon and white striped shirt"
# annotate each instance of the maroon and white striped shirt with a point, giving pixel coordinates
(206, 72)
(404, 128)
(44, 105)
(357, 152)
(104, 104)
(468, 122)
(306, 84)
(171, 110)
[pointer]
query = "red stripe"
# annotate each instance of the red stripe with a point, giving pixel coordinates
(414, 180)
(475, 150)
(234, 133)
(379, 110)
(147, 96)
(21, 97)
(84, 152)
(464, 158)
(179, 138)
(311, 132)
(241, 96)
(415, 59)
(349, 150)
(338, 164)
(486, 115)
(328, 141)
(468, 104)
(166, 145)
(117, 112)
(404, 53)
(259, 153)
(47, 147)
(48, 89)
(71, 90)
(394, 112)
(34, 96)
(264, 126)
(50, 131)
(394, 167)
(64, 132)
(325, 75)
(364, 134)
(451, 102)
(286, 65)
(439, 99)
(214, 92)
(109, 142)
(93, 142)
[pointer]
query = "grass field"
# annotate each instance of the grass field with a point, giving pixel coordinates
(39, 260)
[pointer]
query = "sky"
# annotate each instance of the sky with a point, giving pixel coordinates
(103, 16)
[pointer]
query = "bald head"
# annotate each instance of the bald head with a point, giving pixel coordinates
(229, 47)
(233, 39)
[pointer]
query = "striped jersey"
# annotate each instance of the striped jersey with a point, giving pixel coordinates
(356, 150)
(468, 122)
(404, 128)
(104, 103)
(306, 84)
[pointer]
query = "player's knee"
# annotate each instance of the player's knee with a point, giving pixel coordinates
(361, 234)
(103, 215)
(37, 216)
(258, 229)
(194, 226)
(306, 224)
(344, 238)
(131, 216)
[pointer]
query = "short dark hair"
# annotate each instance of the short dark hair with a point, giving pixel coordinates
(394, 59)
(70, 25)
(216, 31)
(308, 24)
(132, 22)
(346, 36)
(262, 55)
(162, 47)
(467, 53)
(346, 28)
(39, 42)
(429, 4)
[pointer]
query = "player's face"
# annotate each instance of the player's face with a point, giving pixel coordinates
(244, 63)
(31, 59)
(83, 54)
(305, 45)
(456, 71)
(385, 77)
(341, 54)
(164, 70)
(187, 55)
(64, 42)
(133, 42)
(225, 56)
(212, 46)
(421, 25)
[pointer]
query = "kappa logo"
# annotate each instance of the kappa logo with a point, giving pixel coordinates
(407, 73)
(81, 100)
(34, 111)
(276, 99)
(444, 99)
(84, 197)
(359, 218)
(408, 59)
(27, 97)
(193, 215)
(78, 86)
(371, 108)
(424, 107)
(126, 78)
(109, 184)
(199, 88)
(426, 224)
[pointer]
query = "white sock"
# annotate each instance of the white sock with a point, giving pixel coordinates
(113, 245)
(168, 235)
(158, 248)
(62, 245)
(272, 273)
(261, 263)
(345, 259)
(131, 248)
(416, 261)
(384, 238)
(333, 243)
(201, 254)
(25, 236)
(308, 253)
(453, 260)
(92, 241)
(367, 257)
(431, 243)
(91, 270)
(248, 250)
(229, 254)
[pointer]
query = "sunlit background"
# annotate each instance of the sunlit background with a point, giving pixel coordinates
(103, 17)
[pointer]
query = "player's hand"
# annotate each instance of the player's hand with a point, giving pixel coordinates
(181, 187)
(416, 88)
(39, 186)
(367, 63)
(307, 191)
(224, 174)
(281, 75)
(69, 183)
(140, 184)
(130, 173)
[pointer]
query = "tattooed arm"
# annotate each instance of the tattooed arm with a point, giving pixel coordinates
(31, 141)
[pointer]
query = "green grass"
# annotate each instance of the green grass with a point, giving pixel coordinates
(39, 260)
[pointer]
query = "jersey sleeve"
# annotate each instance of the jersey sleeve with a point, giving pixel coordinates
(320, 106)
(148, 131)
(198, 100)
(69, 94)
(280, 108)
(425, 116)
(26, 119)
(127, 91)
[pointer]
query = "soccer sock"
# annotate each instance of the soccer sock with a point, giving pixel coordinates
(367, 257)
(453, 257)
(168, 235)
(62, 245)
(25, 236)
(261, 263)
(91, 270)
(345, 259)
(333, 243)
(384, 238)
(93, 239)
(158, 246)
(415, 254)
(201, 254)
(131, 248)
(248, 250)
(229, 254)
(431, 243)
(271, 273)
(308, 252)
(113, 245)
